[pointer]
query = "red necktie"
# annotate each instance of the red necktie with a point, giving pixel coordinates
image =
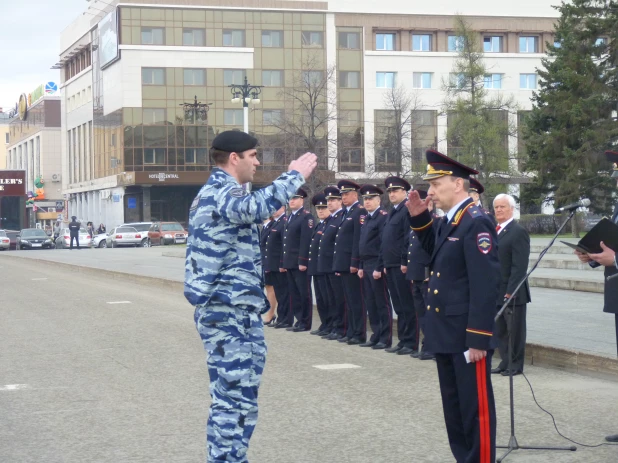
(498, 227)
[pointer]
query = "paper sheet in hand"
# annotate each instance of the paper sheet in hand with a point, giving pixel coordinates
(605, 230)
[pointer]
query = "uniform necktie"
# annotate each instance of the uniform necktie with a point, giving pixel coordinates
(498, 227)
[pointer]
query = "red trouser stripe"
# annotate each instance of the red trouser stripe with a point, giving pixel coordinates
(481, 384)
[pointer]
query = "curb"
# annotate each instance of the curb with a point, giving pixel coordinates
(569, 285)
(584, 363)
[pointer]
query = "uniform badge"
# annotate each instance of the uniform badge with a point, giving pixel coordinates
(238, 192)
(310, 223)
(383, 212)
(483, 241)
(362, 220)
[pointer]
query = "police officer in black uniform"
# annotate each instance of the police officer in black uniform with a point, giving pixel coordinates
(463, 288)
(74, 227)
(346, 262)
(320, 286)
(296, 241)
(326, 253)
(417, 272)
(393, 252)
(375, 290)
(475, 191)
(272, 237)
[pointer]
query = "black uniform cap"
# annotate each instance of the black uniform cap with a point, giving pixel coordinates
(300, 193)
(369, 191)
(348, 185)
(439, 165)
(422, 193)
(234, 141)
(319, 200)
(612, 156)
(74, 217)
(476, 186)
(394, 183)
(332, 192)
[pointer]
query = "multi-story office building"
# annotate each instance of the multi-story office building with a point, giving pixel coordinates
(4, 137)
(132, 152)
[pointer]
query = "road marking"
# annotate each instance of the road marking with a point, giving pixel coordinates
(14, 387)
(39, 279)
(336, 366)
(119, 302)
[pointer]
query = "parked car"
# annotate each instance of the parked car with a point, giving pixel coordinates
(33, 238)
(123, 236)
(5, 242)
(142, 227)
(163, 233)
(64, 239)
(99, 241)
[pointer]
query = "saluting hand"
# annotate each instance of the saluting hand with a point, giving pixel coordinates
(416, 205)
(304, 164)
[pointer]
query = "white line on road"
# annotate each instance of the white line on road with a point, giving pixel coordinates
(336, 366)
(39, 279)
(119, 302)
(13, 387)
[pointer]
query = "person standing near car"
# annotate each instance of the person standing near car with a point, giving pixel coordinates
(101, 229)
(74, 227)
(223, 280)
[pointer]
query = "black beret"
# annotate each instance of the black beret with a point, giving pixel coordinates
(476, 186)
(234, 141)
(369, 191)
(347, 185)
(392, 183)
(332, 192)
(612, 156)
(300, 193)
(440, 165)
(319, 200)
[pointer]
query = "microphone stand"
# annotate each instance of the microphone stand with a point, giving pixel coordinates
(513, 444)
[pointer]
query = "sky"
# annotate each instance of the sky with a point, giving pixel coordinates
(30, 43)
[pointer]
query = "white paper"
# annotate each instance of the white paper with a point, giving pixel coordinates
(467, 356)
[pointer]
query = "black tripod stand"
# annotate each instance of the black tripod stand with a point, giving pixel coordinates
(513, 444)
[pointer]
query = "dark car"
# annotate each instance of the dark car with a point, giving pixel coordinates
(33, 238)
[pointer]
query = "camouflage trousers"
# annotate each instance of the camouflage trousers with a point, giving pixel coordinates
(236, 350)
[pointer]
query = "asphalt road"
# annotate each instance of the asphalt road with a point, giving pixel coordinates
(83, 380)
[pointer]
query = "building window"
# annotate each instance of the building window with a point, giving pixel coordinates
(349, 40)
(271, 156)
(313, 39)
(194, 76)
(492, 44)
(349, 79)
(154, 155)
(233, 38)
(527, 81)
(351, 157)
(153, 36)
(7, 138)
(233, 77)
(457, 80)
(190, 155)
(385, 42)
(528, 44)
(153, 115)
(153, 76)
(233, 116)
(272, 116)
(349, 118)
(421, 80)
(455, 43)
(193, 37)
(557, 44)
(385, 79)
(493, 81)
(272, 39)
(421, 42)
(272, 78)
(312, 78)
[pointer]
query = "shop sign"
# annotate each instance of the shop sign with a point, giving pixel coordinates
(12, 182)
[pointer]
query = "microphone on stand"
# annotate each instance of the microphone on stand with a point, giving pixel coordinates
(581, 203)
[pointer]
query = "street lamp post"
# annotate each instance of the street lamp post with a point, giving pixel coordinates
(248, 94)
(196, 108)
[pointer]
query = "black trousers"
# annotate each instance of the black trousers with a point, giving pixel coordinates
(419, 289)
(357, 315)
(399, 289)
(280, 285)
(338, 307)
(323, 301)
(514, 319)
(378, 304)
(301, 300)
(616, 315)
(469, 407)
(76, 238)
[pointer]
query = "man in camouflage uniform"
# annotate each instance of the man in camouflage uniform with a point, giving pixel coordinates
(223, 280)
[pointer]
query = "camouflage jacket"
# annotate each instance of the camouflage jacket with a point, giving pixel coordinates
(223, 264)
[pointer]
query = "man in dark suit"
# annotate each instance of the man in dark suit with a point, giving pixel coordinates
(607, 258)
(323, 299)
(417, 264)
(272, 251)
(394, 250)
(464, 281)
(375, 291)
(346, 262)
(514, 252)
(296, 241)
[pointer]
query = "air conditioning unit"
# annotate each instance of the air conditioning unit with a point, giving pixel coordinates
(56, 178)
(51, 209)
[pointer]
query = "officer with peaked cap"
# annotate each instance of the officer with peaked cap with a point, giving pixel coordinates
(326, 255)
(392, 254)
(475, 191)
(461, 297)
(223, 280)
(375, 291)
(320, 286)
(296, 242)
(346, 261)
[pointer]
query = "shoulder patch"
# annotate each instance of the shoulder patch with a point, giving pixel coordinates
(195, 202)
(483, 242)
(310, 223)
(238, 192)
(362, 219)
(475, 211)
(306, 211)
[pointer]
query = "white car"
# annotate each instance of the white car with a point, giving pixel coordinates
(99, 241)
(64, 239)
(5, 242)
(123, 236)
